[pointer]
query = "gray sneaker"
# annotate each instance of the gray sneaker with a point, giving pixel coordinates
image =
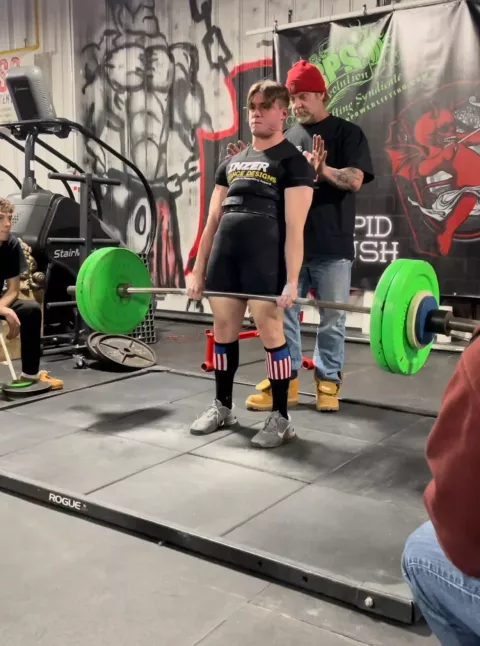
(276, 431)
(215, 417)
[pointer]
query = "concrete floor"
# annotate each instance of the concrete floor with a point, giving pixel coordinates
(68, 582)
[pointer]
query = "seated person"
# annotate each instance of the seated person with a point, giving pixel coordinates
(441, 561)
(23, 317)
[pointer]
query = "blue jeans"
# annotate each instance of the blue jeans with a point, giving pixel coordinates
(330, 279)
(448, 599)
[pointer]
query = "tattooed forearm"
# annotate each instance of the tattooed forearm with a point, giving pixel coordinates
(348, 179)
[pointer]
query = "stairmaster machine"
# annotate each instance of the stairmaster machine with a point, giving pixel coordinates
(60, 231)
(58, 322)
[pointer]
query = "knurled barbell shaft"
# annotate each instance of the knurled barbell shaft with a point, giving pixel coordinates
(124, 290)
(347, 307)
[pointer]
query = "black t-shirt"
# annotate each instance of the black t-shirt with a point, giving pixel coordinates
(265, 173)
(330, 226)
(12, 260)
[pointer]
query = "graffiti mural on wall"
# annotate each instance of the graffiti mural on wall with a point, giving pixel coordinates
(143, 95)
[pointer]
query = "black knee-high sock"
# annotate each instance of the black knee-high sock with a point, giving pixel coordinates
(279, 370)
(225, 361)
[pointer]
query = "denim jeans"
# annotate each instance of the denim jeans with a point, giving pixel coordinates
(330, 279)
(448, 599)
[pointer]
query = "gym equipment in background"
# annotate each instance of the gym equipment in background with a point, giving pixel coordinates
(60, 231)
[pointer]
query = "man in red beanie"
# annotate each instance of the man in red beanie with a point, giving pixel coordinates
(339, 152)
(441, 560)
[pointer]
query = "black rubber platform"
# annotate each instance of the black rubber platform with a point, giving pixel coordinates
(329, 513)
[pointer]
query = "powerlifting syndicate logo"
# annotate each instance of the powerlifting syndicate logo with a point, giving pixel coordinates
(365, 58)
(355, 63)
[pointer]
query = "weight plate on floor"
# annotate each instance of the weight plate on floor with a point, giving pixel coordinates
(92, 343)
(376, 312)
(416, 276)
(21, 388)
(98, 284)
(126, 352)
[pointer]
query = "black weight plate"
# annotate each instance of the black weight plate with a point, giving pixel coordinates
(92, 343)
(13, 391)
(125, 352)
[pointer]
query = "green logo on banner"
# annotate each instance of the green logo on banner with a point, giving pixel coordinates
(353, 64)
(360, 67)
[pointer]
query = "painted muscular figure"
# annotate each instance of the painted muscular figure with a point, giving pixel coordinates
(135, 72)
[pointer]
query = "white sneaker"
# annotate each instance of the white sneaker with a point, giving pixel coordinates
(276, 431)
(215, 417)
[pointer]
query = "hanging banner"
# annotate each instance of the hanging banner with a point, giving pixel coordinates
(410, 80)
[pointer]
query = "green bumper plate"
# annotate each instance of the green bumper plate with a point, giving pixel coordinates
(79, 289)
(96, 291)
(401, 357)
(376, 313)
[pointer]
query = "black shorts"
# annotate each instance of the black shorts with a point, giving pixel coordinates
(248, 256)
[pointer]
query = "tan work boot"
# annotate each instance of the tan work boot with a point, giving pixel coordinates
(327, 396)
(44, 376)
(264, 401)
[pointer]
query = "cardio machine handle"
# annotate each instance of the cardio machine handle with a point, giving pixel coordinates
(81, 179)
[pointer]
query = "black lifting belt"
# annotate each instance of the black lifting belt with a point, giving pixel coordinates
(251, 204)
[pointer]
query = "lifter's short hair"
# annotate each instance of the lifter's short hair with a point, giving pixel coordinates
(272, 91)
(6, 207)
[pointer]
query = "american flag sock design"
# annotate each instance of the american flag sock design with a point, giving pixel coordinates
(279, 370)
(225, 363)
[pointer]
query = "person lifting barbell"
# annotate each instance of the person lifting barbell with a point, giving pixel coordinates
(253, 242)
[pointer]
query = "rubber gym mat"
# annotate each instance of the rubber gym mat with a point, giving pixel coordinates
(130, 464)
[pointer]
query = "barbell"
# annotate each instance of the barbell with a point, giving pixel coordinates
(113, 292)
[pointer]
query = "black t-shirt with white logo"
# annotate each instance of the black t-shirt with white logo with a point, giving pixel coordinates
(330, 226)
(12, 260)
(265, 173)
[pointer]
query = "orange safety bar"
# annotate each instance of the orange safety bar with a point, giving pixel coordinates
(207, 365)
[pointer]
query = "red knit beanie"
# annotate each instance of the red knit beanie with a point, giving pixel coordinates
(305, 77)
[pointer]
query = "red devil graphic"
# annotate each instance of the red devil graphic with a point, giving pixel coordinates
(439, 147)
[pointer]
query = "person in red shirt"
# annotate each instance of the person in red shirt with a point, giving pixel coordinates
(441, 560)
